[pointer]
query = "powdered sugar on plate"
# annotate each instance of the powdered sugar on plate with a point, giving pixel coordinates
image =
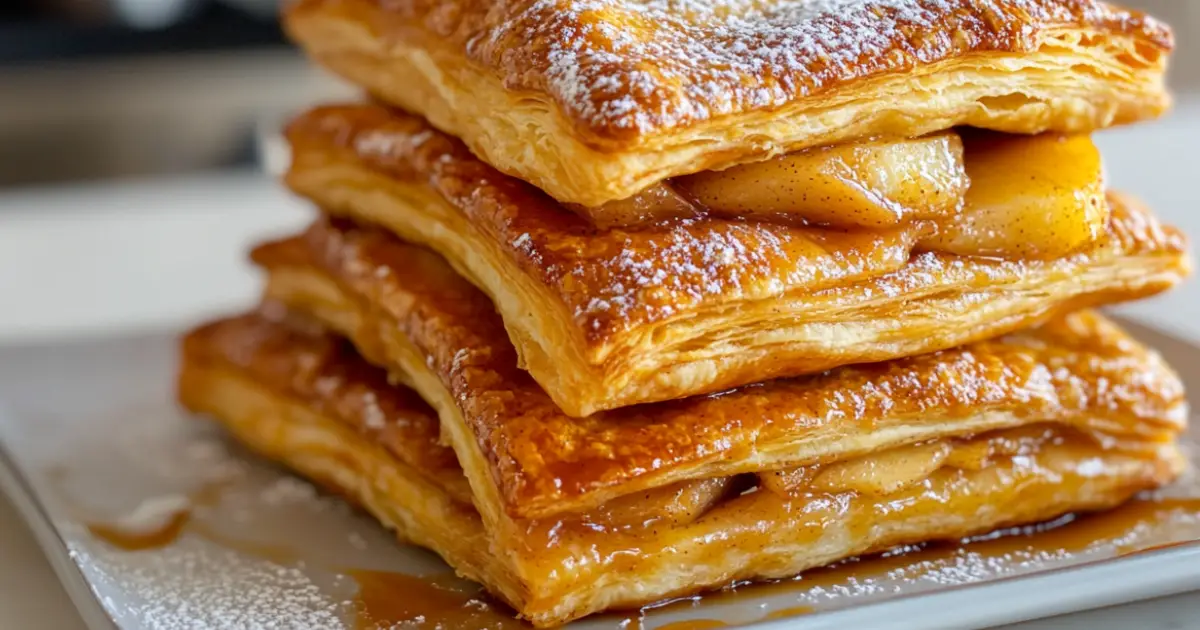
(265, 550)
(191, 585)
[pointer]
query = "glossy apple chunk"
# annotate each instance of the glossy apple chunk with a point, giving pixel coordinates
(660, 202)
(868, 185)
(884, 473)
(1030, 197)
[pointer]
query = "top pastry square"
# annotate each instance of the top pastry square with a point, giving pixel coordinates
(597, 100)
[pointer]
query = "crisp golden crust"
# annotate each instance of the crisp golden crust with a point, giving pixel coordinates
(609, 318)
(596, 100)
(676, 541)
(327, 376)
(404, 309)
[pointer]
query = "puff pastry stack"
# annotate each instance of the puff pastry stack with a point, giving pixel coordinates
(613, 301)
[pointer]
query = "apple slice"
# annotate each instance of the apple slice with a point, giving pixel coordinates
(885, 472)
(869, 185)
(660, 202)
(1030, 197)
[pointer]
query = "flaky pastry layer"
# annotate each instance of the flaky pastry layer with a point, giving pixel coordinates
(302, 399)
(610, 318)
(407, 311)
(595, 101)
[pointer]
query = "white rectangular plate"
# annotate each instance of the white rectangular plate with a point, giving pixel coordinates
(88, 432)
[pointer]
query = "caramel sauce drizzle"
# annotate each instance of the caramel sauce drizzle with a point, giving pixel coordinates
(794, 611)
(387, 600)
(164, 534)
(1067, 535)
(141, 540)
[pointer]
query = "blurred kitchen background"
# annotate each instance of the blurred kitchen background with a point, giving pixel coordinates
(97, 89)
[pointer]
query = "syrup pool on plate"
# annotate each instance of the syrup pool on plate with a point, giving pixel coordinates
(385, 599)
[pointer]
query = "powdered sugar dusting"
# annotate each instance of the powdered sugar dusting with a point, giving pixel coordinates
(193, 584)
(735, 45)
(638, 64)
(650, 275)
(188, 586)
(135, 467)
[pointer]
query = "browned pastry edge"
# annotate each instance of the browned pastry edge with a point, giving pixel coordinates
(406, 310)
(646, 93)
(592, 118)
(553, 572)
(295, 355)
(609, 318)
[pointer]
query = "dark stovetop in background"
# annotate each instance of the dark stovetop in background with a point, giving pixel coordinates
(97, 89)
(34, 32)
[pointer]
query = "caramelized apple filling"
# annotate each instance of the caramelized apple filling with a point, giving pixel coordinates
(900, 468)
(1030, 197)
(979, 194)
(864, 185)
(886, 473)
(678, 504)
(661, 202)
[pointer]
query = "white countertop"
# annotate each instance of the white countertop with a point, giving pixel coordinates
(48, 237)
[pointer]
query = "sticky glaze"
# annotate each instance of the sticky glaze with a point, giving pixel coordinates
(135, 539)
(614, 280)
(388, 600)
(546, 461)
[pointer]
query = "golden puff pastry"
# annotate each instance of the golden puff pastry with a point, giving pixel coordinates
(596, 101)
(606, 318)
(304, 399)
(407, 311)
